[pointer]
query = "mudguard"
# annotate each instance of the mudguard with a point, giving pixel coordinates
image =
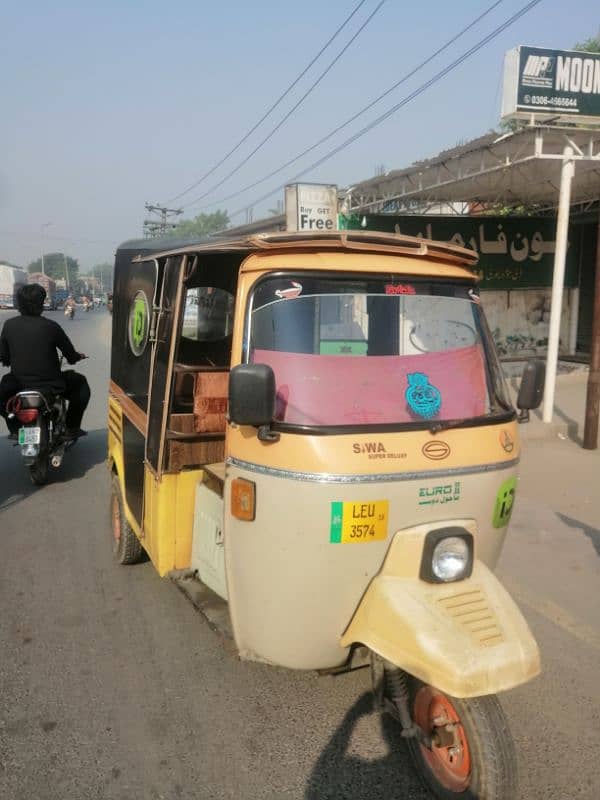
(466, 638)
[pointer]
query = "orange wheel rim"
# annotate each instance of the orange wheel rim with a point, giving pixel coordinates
(116, 520)
(450, 763)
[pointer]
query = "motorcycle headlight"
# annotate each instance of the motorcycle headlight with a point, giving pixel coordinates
(447, 555)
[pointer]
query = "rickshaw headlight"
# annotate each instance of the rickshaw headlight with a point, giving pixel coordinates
(447, 555)
(450, 559)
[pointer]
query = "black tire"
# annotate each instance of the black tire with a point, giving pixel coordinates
(39, 471)
(492, 767)
(127, 548)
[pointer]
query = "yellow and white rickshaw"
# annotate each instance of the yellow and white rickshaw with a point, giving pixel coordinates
(315, 429)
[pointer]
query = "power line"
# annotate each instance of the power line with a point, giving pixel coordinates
(351, 119)
(272, 108)
(290, 112)
(438, 76)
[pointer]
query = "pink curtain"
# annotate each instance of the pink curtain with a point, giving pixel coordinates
(354, 390)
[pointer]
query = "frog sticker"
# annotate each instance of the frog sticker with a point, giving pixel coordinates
(423, 398)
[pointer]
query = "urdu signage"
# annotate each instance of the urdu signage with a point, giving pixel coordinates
(311, 207)
(564, 83)
(514, 252)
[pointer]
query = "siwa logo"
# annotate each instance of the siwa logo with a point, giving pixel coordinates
(436, 450)
(369, 447)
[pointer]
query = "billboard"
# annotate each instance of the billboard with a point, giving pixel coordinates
(551, 83)
(514, 252)
(311, 207)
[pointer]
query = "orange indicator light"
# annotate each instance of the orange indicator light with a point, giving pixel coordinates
(243, 499)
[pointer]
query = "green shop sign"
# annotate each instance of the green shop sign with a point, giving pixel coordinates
(514, 253)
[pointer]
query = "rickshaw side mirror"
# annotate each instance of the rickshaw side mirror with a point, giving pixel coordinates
(531, 390)
(252, 397)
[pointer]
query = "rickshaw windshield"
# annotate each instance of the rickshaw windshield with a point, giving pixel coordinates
(382, 350)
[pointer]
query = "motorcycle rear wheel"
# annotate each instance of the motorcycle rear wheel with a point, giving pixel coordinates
(38, 471)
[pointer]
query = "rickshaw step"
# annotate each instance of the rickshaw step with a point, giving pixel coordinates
(212, 607)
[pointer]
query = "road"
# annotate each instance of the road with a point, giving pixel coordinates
(112, 686)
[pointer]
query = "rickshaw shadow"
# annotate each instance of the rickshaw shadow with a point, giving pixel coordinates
(342, 775)
(15, 484)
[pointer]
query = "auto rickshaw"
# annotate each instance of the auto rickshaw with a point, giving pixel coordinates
(314, 427)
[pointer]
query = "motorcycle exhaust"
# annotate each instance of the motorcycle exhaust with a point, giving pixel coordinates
(57, 457)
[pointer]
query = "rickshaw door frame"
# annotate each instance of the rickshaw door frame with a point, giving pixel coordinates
(161, 364)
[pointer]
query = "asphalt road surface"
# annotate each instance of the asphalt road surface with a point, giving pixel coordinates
(112, 686)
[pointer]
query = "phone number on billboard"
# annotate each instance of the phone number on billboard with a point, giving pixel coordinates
(542, 100)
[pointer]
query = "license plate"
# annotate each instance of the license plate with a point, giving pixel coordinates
(29, 435)
(354, 523)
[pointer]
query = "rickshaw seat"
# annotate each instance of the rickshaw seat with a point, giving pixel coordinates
(210, 401)
(196, 430)
(183, 391)
(184, 385)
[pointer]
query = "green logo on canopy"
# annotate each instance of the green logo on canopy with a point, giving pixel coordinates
(139, 319)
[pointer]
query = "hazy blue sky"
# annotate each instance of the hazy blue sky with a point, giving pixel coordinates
(105, 106)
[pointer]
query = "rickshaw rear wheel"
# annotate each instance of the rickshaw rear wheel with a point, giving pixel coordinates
(473, 756)
(127, 548)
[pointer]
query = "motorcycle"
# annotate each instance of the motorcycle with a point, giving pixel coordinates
(42, 435)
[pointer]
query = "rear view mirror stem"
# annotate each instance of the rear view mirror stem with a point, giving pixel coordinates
(265, 434)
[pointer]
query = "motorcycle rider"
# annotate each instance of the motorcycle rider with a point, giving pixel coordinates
(70, 306)
(28, 345)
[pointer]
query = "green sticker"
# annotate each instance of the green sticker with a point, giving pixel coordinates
(504, 503)
(335, 531)
(139, 323)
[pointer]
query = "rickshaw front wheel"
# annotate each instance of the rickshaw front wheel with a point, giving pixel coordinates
(127, 548)
(473, 755)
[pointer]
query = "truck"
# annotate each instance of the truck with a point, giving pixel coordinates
(48, 284)
(60, 295)
(11, 279)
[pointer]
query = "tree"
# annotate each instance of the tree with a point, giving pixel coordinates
(54, 267)
(202, 225)
(104, 272)
(591, 45)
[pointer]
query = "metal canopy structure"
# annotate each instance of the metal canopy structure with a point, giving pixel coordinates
(543, 167)
(515, 169)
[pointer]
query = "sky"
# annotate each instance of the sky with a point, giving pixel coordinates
(106, 106)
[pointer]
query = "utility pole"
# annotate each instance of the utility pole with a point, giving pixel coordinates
(592, 402)
(66, 271)
(161, 225)
(42, 228)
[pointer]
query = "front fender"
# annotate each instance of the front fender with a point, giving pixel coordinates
(466, 638)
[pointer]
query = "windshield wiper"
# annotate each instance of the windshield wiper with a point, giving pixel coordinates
(438, 427)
